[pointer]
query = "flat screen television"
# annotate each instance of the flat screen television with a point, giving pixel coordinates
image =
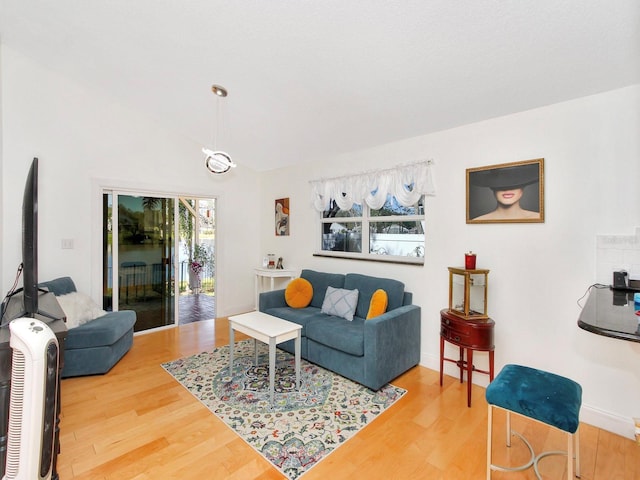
(24, 301)
(30, 242)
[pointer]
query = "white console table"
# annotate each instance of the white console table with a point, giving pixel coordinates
(272, 274)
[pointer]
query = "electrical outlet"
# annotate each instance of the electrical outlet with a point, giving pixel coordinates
(67, 243)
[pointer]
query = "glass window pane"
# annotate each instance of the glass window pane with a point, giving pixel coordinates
(393, 230)
(392, 207)
(342, 237)
(405, 239)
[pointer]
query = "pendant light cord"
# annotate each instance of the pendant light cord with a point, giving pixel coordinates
(217, 125)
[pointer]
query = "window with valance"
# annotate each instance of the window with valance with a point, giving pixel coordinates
(375, 215)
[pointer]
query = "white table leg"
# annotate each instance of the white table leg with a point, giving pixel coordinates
(272, 366)
(231, 342)
(257, 291)
(255, 350)
(272, 286)
(297, 342)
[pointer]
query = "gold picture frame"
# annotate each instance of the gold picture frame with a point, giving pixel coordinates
(506, 193)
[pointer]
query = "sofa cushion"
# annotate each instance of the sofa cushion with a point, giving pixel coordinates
(378, 304)
(301, 316)
(298, 293)
(339, 334)
(340, 302)
(367, 285)
(105, 330)
(320, 281)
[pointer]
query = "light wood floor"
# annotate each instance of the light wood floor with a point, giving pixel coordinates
(137, 422)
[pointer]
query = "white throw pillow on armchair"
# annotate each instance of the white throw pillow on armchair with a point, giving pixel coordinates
(79, 308)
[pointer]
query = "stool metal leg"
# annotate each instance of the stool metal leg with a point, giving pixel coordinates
(489, 433)
(576, 437)
(572, 453)
(573, 450)
(490, 465)
(570, 441)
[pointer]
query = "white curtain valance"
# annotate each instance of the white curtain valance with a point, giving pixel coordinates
(407, 183)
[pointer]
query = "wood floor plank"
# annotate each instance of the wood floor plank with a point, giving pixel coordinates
(632, 460)
(138, 423)
(610, 457)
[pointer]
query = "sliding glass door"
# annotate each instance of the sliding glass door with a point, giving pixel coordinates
(139, 257)
(159, 257)
(197, 266)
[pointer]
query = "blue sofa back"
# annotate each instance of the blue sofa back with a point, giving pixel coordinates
(365, 284)
(59, 286)
(320, 282)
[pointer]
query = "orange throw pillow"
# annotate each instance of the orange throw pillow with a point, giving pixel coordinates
(378, 304)
(298, 293)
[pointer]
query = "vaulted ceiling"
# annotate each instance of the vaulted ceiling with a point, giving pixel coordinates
(311, 78)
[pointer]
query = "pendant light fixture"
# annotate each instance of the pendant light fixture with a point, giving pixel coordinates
(217, 161)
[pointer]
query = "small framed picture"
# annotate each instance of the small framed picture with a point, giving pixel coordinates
(506, 193)
(282, 217)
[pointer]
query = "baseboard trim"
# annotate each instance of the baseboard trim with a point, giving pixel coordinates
(430, 361)
(433, 362)
(608, 421)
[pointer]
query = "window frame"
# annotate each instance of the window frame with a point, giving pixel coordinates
(365, 220)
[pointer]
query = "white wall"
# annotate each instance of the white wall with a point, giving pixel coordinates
(85, 139)
(1, 167)
(591, 149)
(618, 252)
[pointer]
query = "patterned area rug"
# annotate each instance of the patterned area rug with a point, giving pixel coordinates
(301, 427)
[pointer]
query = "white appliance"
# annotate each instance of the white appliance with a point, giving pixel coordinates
(33, 400)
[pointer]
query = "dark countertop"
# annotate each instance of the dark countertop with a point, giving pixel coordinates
(610, 313)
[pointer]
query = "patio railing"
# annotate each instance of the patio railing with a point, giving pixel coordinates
(140, 280)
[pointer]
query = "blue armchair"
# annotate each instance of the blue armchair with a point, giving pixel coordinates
(96, 346)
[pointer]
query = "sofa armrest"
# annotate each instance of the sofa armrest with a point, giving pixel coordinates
(391, 344)
(272, 299)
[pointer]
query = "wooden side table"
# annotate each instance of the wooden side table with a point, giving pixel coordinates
(470, 335)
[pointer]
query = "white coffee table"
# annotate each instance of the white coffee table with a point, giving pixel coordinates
(270, 330)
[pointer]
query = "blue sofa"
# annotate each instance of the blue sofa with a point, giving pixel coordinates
(371, 352)
(96, 346)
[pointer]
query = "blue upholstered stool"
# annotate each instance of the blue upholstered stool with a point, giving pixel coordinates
(542, 396)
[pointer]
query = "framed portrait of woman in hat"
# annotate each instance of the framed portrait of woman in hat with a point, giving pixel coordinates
(506, 193)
